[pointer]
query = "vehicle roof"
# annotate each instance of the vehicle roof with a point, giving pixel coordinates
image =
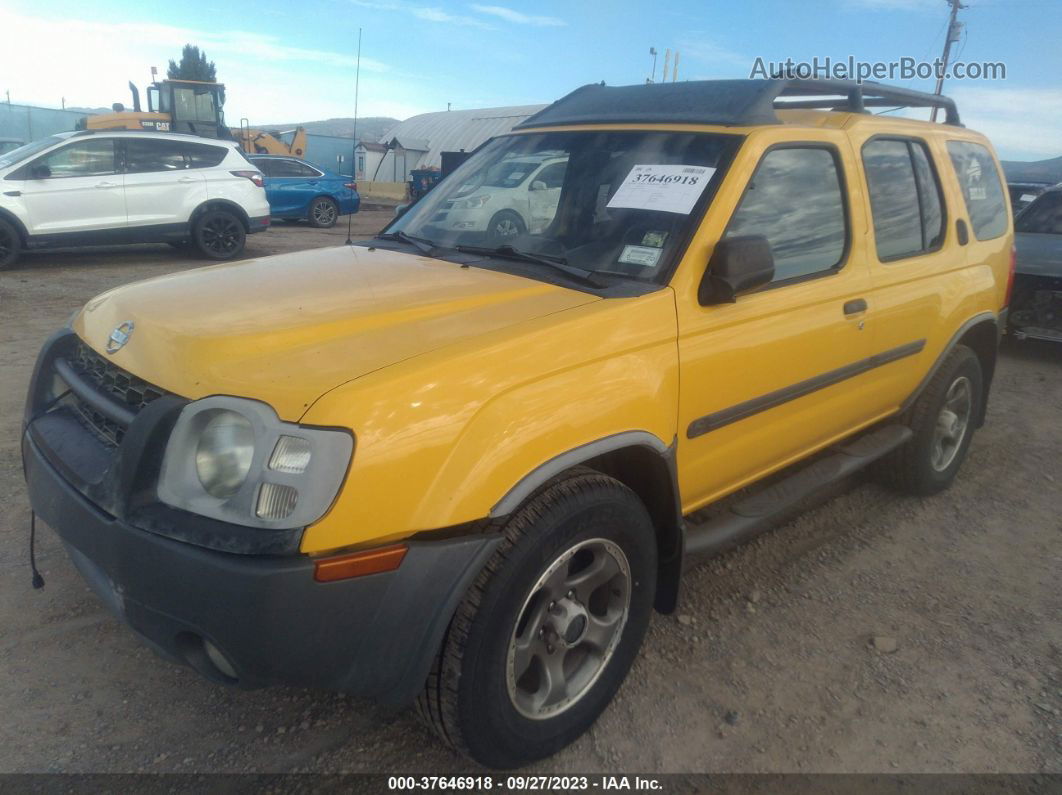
(170, 136)
(740, 103)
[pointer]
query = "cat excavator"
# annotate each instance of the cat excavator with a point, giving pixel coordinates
(192, 106)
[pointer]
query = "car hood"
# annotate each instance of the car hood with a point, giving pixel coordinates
(1038, 254)
(287, 329)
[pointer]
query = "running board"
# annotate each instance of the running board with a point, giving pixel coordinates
(757, 512)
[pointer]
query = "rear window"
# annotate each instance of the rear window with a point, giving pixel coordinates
(985, 200)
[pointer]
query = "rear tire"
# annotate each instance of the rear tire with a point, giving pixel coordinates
(10, 244)
(942, 419)
(506, 694)
(219, 235)
(323, 213)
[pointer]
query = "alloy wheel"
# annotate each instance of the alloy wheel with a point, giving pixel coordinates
(568, 628)
(221, 234)
(952, 423)
(324, 213)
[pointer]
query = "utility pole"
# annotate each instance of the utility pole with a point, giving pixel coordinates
(652, 77)
(954, 28)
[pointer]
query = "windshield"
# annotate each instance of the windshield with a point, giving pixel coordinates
(15, 155)
(607, 202)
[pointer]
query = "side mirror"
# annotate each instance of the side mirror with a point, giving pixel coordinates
(401, 209)
(538, 185)
(738, 264)
(41, 172)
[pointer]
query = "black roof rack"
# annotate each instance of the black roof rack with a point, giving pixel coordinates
(739, 103)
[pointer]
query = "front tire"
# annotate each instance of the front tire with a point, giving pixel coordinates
(943, 420)
(548, 631)
(10, 244)
(504, 226)
(323, 213)
(219, 234)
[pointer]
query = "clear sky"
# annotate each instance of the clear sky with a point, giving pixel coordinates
(294, 61)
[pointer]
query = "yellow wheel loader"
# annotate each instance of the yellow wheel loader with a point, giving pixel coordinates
(191, 106)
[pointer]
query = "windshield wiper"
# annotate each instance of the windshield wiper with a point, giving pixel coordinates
(421, 244)
(556, 263)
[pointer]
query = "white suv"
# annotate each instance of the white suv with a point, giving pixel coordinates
(517, 196)
(97, 188)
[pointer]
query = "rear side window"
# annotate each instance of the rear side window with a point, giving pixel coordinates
(904, 198)
(1044, 216)
(794, 199)
(291, 168)
(204, 155)
(265, 166)
(143, 155)
(985, 200)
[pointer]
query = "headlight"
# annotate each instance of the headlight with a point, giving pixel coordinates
(472, 203)
(233, 459)
(223, 455)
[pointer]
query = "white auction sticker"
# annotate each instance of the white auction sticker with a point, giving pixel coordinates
(669, 189)
(640, 255)
(1027, 197)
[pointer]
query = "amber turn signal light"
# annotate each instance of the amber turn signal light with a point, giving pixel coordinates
(358, 564)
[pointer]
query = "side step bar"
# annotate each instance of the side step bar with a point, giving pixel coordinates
(757, 512)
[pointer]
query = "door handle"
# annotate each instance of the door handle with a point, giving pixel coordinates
(106, 184)
(855, 306)
(187, 179)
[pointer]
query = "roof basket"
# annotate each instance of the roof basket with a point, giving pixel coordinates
(742, 103)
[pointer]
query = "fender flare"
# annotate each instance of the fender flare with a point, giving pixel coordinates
(565, 461)
(978, 319)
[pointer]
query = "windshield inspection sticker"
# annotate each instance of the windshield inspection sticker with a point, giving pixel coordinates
(1027, 197)
(669, 189)
(640, 255)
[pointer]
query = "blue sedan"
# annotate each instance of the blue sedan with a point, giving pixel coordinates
(299, 190)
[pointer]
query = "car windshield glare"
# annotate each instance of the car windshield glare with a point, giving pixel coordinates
(28, 150)
(620, 202)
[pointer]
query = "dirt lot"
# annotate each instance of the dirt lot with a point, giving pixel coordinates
(768, 667)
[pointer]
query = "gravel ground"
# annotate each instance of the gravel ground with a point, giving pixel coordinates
(875, 633)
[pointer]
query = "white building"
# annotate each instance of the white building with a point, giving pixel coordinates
(419, 142)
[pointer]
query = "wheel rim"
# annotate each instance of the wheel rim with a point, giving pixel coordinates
(952, 423)
(506, 227)
(221, 235)
(324, 213)
(568, 628)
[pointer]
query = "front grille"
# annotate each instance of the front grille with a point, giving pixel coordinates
(116, 384)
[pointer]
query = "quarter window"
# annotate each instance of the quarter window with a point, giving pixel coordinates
(985, 201)
(794, 199)
(84, 159)
(204, 155)
(904, 198)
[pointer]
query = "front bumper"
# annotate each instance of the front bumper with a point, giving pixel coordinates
(373, 636)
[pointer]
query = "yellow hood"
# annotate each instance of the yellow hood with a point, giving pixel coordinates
(288, 328)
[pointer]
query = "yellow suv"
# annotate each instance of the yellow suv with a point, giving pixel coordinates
(460, 463)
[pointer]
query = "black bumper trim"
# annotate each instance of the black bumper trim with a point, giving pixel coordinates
(372, 636)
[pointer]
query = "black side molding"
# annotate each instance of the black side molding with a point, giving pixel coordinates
(719, 419)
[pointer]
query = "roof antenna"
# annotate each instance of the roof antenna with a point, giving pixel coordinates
(354, 132)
